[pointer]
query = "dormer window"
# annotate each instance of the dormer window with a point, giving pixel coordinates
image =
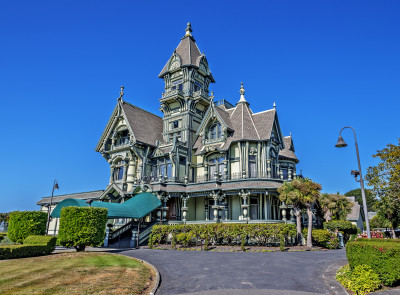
(215, 131)
(178, 85)
(197, 86)
(122, 138)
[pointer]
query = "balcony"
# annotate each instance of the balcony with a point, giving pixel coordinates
(172, 93)
(201, 94)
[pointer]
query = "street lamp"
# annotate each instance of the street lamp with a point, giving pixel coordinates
(55, 186)
(341, 143)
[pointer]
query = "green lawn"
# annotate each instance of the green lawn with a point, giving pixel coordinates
(75, 273)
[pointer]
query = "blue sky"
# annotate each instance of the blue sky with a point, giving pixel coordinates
(326, 64)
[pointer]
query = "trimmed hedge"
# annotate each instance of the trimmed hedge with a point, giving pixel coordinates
(323, 238)
(26, 223)
(378, 240)
(82, 226)
(33, 246)
(382, 257)
(239, 234)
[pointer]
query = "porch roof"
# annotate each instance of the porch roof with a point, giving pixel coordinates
(136, 207)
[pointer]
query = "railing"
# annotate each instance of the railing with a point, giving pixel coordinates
(145, 233)
(172, 93)
(120, 231)
(221, 177)
(201, 93)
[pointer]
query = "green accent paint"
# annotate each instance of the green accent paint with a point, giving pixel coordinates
(136, 207)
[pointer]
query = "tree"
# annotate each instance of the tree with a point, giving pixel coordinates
(385, 181)
(369, 196)
(335, 206)
(82, 226)
(301, 193)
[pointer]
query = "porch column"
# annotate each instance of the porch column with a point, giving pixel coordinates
(226, 207)
(184, 208)
(165, 208)
(283, 207)
(215, 207)
(245, 206)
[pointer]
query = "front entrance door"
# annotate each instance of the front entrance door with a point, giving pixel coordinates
(254, 208)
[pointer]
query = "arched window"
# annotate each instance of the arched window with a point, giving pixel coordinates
(215, 131)
(122, 138)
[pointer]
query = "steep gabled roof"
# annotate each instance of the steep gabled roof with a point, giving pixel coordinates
(288, 151)
(145, 126)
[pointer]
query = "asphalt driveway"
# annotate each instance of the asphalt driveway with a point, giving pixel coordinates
(252, 273)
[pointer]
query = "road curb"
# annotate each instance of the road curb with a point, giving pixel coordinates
(153, 291)
(157, 284)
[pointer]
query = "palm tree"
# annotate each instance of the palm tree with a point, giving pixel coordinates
(301, 193)
(335, 206)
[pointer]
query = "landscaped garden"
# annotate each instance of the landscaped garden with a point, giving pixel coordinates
(75, 273)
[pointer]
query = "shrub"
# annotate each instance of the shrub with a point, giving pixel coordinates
(374, 235)
(361, 280)
(82, 226)
(41, 240)
(2, 236)
(323, 238)
(33, 246)
(346, 227)
(25, 223)
(239, 234)
(382, 257)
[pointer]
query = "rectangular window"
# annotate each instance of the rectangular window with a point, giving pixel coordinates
(285, 174)
(162, 170)
(182, 161)
(175, 124)
(169, 170)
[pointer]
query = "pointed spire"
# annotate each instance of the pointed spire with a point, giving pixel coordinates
(121, 93)
(274, 105)
(242, 91)
(188, 30)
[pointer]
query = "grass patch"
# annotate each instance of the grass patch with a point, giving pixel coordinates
(75, 273)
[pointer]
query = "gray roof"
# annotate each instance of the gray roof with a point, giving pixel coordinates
(59, 198)
(288, 151)
(245, 124)
(188, 52)
(355, 212)
(146, 127)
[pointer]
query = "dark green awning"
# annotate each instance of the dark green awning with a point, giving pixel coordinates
(136, 207)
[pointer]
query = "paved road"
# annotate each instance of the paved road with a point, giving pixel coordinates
(252, 273)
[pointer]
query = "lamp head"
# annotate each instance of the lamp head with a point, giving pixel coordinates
(55, 186)
(340, 143)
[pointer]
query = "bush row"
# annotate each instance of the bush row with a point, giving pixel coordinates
(33, 246)
(238, 234)
(382, 257)
(361, 280)
(322, 238)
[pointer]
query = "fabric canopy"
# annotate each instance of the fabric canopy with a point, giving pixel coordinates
(136, 207)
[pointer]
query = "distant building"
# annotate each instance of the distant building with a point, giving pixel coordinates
(207, 160)
(356, 216)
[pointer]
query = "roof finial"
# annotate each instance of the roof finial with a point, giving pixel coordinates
(274, 105)
(121, 93)
(212, 97)
(188, 30)
(242, 91)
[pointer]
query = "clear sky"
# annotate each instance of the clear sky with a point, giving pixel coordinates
(326, 64)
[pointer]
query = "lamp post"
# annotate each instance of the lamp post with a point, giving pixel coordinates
(55, 186)
(341, 143)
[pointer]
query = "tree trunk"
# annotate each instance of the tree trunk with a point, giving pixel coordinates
(80, 248)
(297, 213)
(393, 233)
(309, 236)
